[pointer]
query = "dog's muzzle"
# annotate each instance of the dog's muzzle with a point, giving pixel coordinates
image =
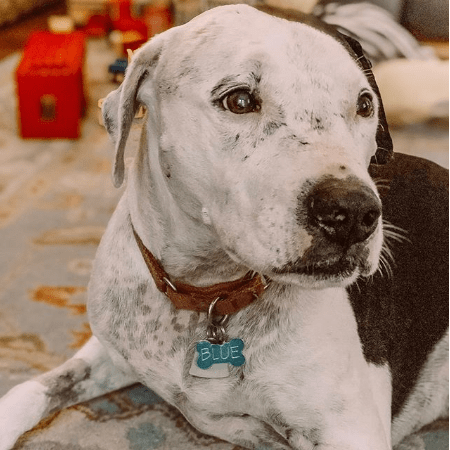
(345, 212)
(340, 215)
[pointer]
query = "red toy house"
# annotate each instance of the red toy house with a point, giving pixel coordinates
(50, 86)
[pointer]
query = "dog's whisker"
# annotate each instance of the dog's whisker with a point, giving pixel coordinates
(385, 266)
(391, 234)
(390, 225)
(387, 251)
(394, 233)
(356, 284)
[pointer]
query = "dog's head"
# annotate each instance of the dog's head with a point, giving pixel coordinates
(264, 131)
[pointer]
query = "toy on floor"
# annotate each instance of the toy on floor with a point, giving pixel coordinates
(117, 69)
(98, 25)
(82, 10)
(50, 86)
(129, 32)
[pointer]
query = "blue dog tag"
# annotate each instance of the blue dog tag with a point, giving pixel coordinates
(228, 352)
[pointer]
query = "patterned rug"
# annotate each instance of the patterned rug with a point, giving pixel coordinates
(55, 200)
(137, 419)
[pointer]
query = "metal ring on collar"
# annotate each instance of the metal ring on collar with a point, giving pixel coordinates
(213, 320)
(169, 283)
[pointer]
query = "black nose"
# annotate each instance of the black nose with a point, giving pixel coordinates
(346, 211)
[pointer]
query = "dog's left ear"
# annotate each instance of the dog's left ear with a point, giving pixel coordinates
(385, 149)
(121, 105)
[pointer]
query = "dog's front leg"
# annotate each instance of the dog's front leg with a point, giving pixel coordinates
(243, 430)
(88, 374)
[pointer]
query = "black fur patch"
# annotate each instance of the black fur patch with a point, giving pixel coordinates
(64, 389)
(317, 124)
(402, 317)
(271, 127)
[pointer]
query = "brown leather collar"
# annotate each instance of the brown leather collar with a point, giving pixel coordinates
(234, 295)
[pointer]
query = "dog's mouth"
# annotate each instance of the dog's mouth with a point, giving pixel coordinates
(333, 267)
(343, 268)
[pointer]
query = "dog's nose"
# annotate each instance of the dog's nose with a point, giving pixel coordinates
(346, 211)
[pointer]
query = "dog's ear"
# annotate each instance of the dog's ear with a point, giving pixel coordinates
(121, 105)
(385, 150)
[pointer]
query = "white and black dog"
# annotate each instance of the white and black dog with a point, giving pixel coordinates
(253, 275)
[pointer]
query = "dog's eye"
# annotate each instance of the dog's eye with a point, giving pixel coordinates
(365, 105)
(240, 102)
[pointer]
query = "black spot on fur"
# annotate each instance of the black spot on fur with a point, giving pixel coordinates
(155, 58)
(297, 139)
(180, 398)
(167, 87)
(317, 124)
(62, 390)
(271, 127)
(142, 289)
(256, 77)
(152, 326)
(186, 71)
(145, 309)
(176, 326)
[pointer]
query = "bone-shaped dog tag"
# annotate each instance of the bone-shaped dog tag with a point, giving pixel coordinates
(212, 359)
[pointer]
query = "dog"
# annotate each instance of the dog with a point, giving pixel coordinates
(241, 275)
